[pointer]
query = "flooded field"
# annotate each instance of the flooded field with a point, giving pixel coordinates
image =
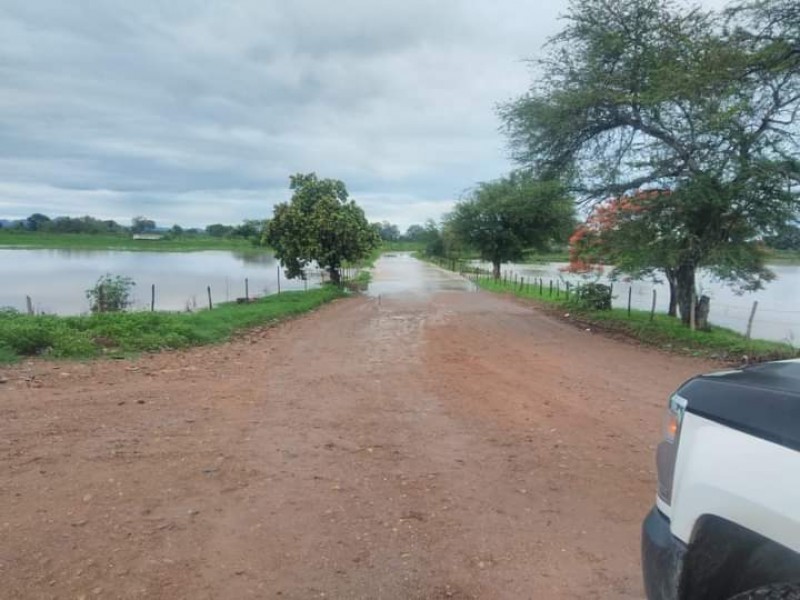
(56, 280)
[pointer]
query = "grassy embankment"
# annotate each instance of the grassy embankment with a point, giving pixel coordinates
(86, 241)
(662, 331)
(116, 334)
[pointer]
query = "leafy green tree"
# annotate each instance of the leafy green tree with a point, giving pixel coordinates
(414, 233)
(502, 218)
(37, 222)
(249, 229)
(321, 225)
(647, 94)
(388, 232)
(176, 230)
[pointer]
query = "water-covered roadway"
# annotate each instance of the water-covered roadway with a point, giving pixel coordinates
(402, 275)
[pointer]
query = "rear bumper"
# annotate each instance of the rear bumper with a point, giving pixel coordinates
(662, 558)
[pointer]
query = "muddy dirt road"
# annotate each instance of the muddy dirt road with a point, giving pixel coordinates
(428, 441)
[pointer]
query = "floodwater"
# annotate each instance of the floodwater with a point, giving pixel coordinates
(57, 280)
(777, 316)
(401, 274)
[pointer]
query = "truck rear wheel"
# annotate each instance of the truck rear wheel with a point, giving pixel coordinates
(782, 591)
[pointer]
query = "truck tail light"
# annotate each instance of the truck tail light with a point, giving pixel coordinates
(667, 452)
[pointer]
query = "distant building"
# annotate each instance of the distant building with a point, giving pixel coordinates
(148, 236)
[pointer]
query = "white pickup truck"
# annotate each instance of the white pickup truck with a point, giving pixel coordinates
(727, 518)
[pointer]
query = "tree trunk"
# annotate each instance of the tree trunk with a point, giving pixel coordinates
(684, 283)
(673, 292)
(496, 270)
(702, 308)
(335, 275)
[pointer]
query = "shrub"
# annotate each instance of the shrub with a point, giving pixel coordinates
(111, 293)
(593, 296)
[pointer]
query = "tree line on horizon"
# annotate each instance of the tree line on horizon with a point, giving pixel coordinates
(250, 229)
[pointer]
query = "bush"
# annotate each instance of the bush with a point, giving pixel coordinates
(593, 296)
(26, 336)
(111, 293)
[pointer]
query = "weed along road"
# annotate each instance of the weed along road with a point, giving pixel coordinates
(424, 441)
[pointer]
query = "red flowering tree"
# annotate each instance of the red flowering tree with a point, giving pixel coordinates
(672, 234)
(626, 234)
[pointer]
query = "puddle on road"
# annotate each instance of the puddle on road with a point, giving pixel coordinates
(401, 274)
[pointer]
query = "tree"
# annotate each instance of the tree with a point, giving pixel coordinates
(250, 229)
(388, 231)
(645, 234)
(321, 225)
(37, 222)
(646, 94)
(414, 233)
(219, 230)
(786, 237)
(142, 225)
(502, 218)
(176, 230)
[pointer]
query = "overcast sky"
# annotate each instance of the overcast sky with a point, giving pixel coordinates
(197, 111)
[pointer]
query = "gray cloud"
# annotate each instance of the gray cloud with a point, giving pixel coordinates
(194, 112)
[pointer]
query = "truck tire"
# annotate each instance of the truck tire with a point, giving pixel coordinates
(781, 591)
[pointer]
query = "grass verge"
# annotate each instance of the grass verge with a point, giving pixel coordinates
(85, 241)
(402, 246)
(662, 331)
(126, 333)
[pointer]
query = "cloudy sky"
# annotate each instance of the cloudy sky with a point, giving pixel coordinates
(197, 111)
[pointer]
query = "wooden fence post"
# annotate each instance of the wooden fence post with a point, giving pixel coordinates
(29, 304)
(693, 312)
(630, 296)
(279, 279)
(153, 298)
(653, 307)
(551, 288)
(750, 320)
(210, 305)
(247, 289)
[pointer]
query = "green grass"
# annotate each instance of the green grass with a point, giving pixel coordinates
(664, 332)
(85, 241)
(783, 257)
(402, 246)
(127, 333)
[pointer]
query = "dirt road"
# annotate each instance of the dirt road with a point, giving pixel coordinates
(425, 442)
